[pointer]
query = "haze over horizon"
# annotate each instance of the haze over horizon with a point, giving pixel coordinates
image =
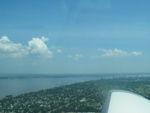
(74, 36)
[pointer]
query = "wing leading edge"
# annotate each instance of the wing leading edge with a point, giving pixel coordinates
(119, 101)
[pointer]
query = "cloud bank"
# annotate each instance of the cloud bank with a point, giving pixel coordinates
(118, 53)
(36, 47)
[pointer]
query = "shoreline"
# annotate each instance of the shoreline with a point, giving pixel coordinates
(88, 96)
(110, 76)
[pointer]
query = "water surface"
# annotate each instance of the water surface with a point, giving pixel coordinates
(19, 86)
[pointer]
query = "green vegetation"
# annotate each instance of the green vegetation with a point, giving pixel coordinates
(80, 97)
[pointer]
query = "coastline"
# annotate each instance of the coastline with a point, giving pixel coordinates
(86, 96)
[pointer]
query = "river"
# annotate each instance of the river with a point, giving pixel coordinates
(19, 86)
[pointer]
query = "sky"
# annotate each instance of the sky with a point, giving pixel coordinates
(74, 36)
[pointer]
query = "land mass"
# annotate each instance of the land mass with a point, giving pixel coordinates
(79, 97)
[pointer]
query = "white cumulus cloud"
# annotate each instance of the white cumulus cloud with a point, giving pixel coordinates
(118, 53)
(10, 49)
(36, 47)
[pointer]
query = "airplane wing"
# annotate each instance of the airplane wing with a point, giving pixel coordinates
(119, 101)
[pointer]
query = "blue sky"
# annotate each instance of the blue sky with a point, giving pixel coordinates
(74, 36)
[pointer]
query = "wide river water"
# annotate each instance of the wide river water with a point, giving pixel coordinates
(19, 86)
